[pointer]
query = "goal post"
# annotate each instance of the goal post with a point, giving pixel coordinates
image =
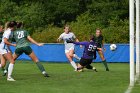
(131, 33)
(137, 38)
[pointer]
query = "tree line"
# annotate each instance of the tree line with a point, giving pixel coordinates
(44, 19)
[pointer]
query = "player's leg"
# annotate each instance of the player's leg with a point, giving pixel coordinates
(91, 67)
(9, 57)
(3, 62)
(17, 53)
(39, 65)
(103, 60)
(82, 64)
(28, 51)
(75, 56)
(69, 55)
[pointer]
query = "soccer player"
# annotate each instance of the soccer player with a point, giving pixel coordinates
(99, 40)
(3, 62)
(22, 39)
(69, 47)
(4, 49)
(89, 54)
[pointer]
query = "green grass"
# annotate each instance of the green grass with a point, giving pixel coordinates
(64, 80)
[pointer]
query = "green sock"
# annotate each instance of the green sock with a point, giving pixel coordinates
(105, 64)
(41, 68)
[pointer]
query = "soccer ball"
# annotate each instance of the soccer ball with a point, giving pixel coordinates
(113, 47)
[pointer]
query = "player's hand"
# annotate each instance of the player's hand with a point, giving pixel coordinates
(99, 49)
(14, 45)
(81, 46)
(40, 44)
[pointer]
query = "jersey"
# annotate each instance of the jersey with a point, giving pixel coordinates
(65, 37)
(89, 50)
(7, 34)
(20, 37)
(99, 40)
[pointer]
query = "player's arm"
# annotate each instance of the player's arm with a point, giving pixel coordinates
(33, 41)
(60, 38)
(8, 43)
(81, 43)
(76, 39)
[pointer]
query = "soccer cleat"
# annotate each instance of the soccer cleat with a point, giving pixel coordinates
(94, 69)
(46, 75)
(80, 70)
(107, 69)
(10, 79)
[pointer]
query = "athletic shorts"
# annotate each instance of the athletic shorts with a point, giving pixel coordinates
(27, 50)
(85, 62)
(4, 51)
(68, 49)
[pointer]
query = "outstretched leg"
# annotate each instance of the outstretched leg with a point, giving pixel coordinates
(39, 65)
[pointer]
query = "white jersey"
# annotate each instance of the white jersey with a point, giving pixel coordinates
(70, 36)
(3, 47)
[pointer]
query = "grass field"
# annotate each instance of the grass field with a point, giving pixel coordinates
(64, 80)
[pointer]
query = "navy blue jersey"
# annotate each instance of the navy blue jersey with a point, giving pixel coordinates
(89, 50)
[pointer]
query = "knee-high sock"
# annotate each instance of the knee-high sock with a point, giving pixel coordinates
(41, 68)
(73, 64)
(10, 69)
(75, 56)
(105, 64)
(0, 65)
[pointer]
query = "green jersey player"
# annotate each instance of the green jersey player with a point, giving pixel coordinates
(23, 40)
(100, 43)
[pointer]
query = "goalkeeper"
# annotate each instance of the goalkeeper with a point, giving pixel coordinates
(89, 54)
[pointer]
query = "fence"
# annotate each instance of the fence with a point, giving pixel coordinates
(55, 53)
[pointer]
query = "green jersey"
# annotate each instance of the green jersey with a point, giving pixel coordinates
(99, 41)
(20, 37)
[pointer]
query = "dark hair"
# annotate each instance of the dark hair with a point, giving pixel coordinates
(19, 24)
(92, 37)
(12, 24)
(99, 30)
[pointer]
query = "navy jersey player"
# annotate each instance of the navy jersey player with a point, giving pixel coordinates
(89, 54)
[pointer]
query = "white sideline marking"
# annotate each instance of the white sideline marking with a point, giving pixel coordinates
(129, 89)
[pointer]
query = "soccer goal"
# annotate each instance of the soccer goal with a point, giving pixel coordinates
(134, 23)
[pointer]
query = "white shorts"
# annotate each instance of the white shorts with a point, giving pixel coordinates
(4, 51)
(68, 49)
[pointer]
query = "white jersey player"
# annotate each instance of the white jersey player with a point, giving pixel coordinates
(4, 50)
(69, 47)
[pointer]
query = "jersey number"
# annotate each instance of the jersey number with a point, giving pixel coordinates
(20, 34)
(91, 48)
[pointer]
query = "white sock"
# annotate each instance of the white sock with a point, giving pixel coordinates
(75, 56)
(0, 65)
(10, 69)
(44, 72)
(73, 64)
